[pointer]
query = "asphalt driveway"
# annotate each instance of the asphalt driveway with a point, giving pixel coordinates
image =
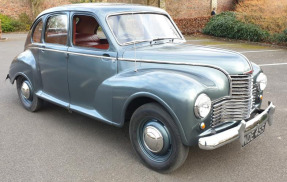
(55, 145)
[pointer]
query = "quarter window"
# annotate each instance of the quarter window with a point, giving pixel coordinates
(38, 32)
(57, 30)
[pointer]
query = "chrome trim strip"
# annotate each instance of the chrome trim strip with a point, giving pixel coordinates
(238, 132)
(74, 53)
(54, 50)
(89, 55)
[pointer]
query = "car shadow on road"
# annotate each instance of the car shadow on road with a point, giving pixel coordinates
(118, 138)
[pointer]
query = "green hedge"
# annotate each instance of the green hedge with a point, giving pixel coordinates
(226, 25)
(10, 24)
(279, 37)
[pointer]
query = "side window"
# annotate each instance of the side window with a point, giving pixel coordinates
(88, 33)
(37, 32)
(57, 30)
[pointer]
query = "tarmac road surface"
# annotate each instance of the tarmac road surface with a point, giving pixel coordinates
(55, 145)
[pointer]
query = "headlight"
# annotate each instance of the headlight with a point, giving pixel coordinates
(261, 81)
(202, 106)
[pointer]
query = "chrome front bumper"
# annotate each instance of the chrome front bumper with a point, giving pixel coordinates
(238, 132)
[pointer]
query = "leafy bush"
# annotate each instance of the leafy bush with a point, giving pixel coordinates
(25, 21)
(226, 25)
(7, 23)
(10, 24)
(279, 37)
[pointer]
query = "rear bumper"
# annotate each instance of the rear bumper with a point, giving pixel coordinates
(238, 132)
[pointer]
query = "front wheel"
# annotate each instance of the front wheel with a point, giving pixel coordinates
(156, 139)
(27, 96)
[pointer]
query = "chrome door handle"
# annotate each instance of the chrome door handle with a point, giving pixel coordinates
(106, 55)
(42, 48)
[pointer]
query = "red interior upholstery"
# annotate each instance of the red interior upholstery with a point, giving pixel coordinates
(58, 38)
(87, 38)
(74, 31)
(85, 33)
(102, 46)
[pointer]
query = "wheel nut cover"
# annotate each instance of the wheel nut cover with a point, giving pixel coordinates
(25, 90)
(153, 139)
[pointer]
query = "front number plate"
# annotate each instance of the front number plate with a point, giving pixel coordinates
(253, 134)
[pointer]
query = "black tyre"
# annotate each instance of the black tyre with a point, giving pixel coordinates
(156, 139)
(27, 96)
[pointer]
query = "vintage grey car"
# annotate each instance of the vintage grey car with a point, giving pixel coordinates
(130, 64)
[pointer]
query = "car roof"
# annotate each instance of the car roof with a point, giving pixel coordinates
(104, 8)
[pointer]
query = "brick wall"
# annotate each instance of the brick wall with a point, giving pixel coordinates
(187, 8)
(191, 25)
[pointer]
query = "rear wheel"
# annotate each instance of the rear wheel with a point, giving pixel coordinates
(156, 139)
(27, 96)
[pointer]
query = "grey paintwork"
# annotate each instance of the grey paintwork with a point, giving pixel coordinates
(105, 84)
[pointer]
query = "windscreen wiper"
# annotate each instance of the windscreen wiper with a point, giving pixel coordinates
(136, 41)
(162, 38)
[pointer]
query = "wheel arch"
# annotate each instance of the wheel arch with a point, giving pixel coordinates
(141, 98)
(25, 65)
(18, 75)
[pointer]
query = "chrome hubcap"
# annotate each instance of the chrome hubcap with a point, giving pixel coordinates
(153, 139)
(25, 90)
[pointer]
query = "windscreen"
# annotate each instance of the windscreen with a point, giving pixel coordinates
(129, 28)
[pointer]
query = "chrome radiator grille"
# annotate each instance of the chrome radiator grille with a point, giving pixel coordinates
(239, 105)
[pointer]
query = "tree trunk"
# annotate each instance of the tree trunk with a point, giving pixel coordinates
(153, 3)
(162, 4)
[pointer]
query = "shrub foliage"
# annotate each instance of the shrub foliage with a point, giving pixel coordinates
(10, 24)
(279, 37)
(227, 25)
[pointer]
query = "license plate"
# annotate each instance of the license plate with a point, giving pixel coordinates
(253, 134)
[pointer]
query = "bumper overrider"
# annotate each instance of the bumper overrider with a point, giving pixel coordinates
(219, 139)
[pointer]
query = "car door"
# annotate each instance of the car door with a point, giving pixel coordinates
(91, 62)
(53, 59)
